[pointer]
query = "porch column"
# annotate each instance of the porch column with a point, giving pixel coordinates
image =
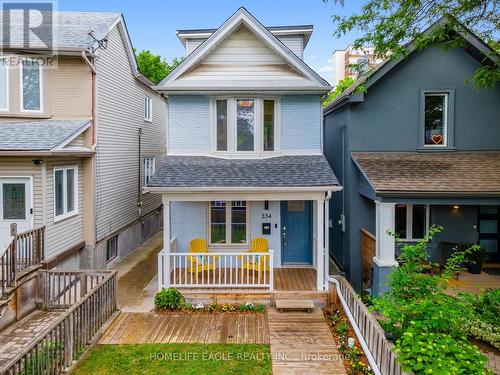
(164, 267)
(320, 256)
(384, 260)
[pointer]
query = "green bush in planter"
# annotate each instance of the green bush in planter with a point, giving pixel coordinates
(475, 257)
(169, 299)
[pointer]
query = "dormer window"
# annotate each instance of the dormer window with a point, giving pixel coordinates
(245, 126)
(436, 120)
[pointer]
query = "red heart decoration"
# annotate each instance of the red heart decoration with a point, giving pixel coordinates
(437, 139)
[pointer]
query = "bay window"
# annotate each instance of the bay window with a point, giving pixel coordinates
(245, 125)
(245, 122)
(412, 221)
(228, 222)
(31, 86)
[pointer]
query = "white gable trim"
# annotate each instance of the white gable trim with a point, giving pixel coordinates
(239, 18)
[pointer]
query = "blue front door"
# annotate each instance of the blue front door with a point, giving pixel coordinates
(296, 232)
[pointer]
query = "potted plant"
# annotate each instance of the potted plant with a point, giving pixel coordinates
(475, 258)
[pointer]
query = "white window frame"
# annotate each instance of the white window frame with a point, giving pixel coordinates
(148, 170)
(115, 237)
(7, 88)
(148, 108)
(228, 227)
(66, 214)
(21, 96)
(232, 133)
(409, 222)
(445, 120)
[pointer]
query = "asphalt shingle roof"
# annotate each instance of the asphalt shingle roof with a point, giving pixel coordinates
(450, 172)
(37, 135)
(71, 28)
(280, 171)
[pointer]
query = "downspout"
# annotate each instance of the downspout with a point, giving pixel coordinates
(93, 96)
(369, 356)
(139, 185)
(326, 238)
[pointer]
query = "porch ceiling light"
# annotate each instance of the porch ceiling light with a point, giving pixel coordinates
(456, 206)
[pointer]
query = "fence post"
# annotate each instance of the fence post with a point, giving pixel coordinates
(271, 269)
(68, 340)
(13, 259)
(83, 284)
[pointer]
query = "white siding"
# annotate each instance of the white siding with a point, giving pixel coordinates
(242, 60)
(120, 114)
(192, 44)
(295, 43)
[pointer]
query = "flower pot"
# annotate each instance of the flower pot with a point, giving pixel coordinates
(475, 268)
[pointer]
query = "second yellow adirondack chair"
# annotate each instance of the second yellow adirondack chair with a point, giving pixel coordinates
(196, 263)
(258, 262)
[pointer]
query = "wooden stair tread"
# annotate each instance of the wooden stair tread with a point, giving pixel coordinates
(294, 304)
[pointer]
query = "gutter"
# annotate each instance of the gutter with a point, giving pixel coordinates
(238, 189)
(360, 337)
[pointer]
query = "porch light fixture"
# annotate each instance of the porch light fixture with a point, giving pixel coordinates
(456, 206)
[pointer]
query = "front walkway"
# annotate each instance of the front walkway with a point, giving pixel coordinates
(135, 272)
(230, 328)
(301, 343)
(20, 335)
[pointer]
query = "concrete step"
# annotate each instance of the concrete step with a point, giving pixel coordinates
(283, 305)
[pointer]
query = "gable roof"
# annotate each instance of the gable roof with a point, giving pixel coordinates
(475, 46)
(42, 135)
(304, 30)
(243, 18)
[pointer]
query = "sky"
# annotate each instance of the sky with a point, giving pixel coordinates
(152, 23)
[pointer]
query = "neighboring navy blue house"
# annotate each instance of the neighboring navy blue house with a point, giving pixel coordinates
(419, 147)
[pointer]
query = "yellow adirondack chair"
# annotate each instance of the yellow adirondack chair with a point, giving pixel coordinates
(259, 262)
(196, 263)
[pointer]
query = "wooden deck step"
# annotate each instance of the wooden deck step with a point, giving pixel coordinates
(294, 305)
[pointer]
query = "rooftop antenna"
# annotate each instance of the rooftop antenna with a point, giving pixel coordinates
(99, 34)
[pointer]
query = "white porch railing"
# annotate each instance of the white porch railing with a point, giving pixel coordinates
(215, 270)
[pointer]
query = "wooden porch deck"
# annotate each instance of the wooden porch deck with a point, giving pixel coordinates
(285, 279)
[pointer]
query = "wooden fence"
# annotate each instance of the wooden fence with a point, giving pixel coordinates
(368, 248)
(68, 337)
(23, 251)
(370, 329)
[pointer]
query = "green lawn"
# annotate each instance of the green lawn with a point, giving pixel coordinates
(177, 359)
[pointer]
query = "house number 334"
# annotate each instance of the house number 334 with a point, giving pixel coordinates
(266, 216)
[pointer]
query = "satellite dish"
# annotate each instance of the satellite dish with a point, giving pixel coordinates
(100, 32)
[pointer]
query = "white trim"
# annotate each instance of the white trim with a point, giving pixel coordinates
(21, 92)
(243, 17)
(30, 217)
(66, 214)
(72, 137)
(409, 222)
(228, 216)
(7, 88)
(445, 119)
(222, 189)
(152, 169)
(148, 108)
(186, 196)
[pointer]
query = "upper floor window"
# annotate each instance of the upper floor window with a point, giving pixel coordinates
(148, 109)
(245, 125)
(65, 192)
(4, 85)
(435, 109)
(149, 169)
(31, 86)
(436, 119)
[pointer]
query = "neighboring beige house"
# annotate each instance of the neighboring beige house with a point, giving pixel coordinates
(78, 141)
(350, 62)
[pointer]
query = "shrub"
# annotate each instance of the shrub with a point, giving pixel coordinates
(438, 353)
(249, 306)
(342, 328)
(169, 299)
